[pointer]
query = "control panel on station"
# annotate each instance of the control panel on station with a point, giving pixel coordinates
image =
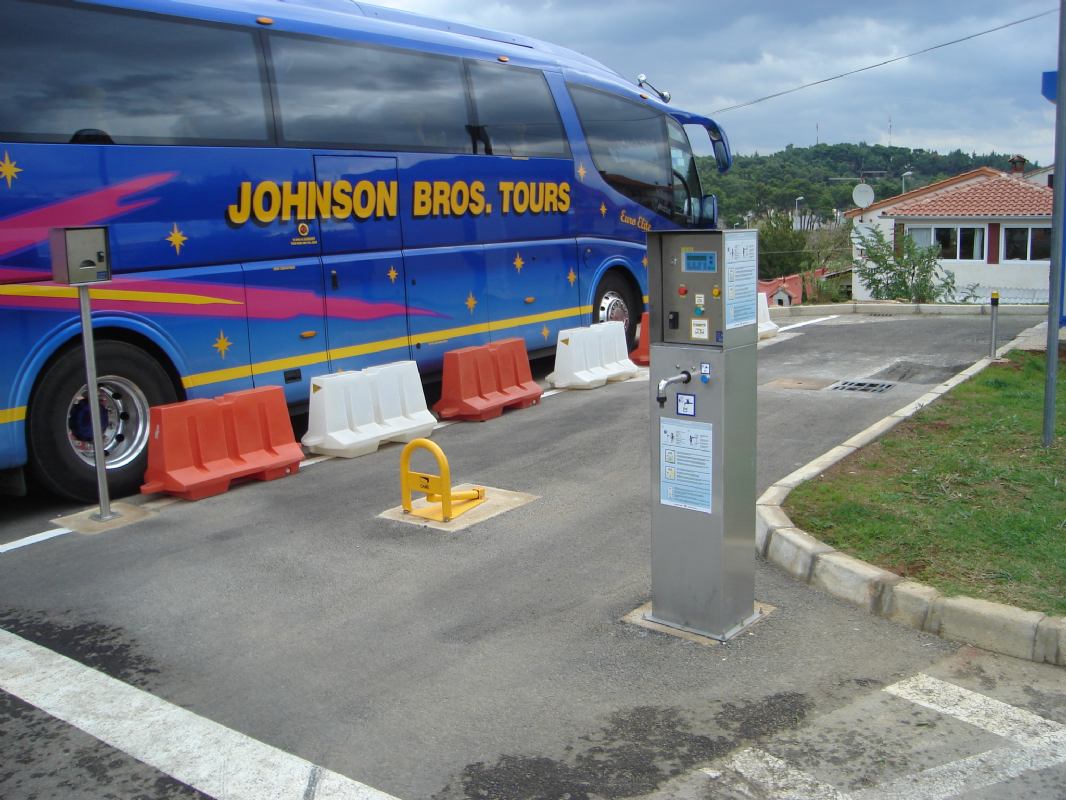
(705, 288)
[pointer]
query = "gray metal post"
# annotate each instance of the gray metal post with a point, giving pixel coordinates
(1054, 298)
(995, 324)
(92, 397)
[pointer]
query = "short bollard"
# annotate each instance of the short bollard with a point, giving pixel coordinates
(437, 488)
(995, 324)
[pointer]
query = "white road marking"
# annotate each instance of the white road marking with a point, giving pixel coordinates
(976, 709)
(968, 775)
(37, 537)
(814, 321)
(211, 758)
(1035, 743)
(778, 779)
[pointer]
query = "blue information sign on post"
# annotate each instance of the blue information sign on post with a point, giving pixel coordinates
(1049, 88)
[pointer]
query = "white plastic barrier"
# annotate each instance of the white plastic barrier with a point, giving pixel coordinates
(589, 357)
(613, 351)
(767, 327)
(352, 413)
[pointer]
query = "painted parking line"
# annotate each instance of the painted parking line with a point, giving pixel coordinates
(814, 321)
(1035, 743)
(976, 709)
(211, 758)
(37, 537)
(778, 779)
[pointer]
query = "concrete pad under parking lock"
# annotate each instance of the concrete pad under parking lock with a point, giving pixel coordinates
(497, 501)
(639, 617)
(83, 521)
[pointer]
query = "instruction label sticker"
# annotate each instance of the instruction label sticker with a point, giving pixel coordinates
(741, 273)
(699, 329)
(685, 464)
(686, 405)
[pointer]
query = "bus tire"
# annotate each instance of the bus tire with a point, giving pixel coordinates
(616, 300)
(59, 431)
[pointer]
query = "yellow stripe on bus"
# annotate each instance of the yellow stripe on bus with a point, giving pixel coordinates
(12, 414)
(117, 294)
(321, 357)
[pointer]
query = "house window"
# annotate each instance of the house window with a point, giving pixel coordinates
(1026, 244)
(955, 242)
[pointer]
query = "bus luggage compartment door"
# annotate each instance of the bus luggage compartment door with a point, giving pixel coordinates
(286, 324)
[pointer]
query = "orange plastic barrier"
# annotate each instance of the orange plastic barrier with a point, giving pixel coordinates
(640, 354)
(480, 382)
(198, 447)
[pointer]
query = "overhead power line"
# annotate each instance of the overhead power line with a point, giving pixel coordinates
(883, 63)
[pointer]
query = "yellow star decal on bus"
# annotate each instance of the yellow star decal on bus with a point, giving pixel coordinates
(177, 239)
(603, 209)
(471, 302)
(222, 344)
(8, 170)
(644, 262)
(545, 332)
(581, 171)
(571, 276)
(518, 262)
(392, 273)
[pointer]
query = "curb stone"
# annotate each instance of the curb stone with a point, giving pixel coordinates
(997, 627)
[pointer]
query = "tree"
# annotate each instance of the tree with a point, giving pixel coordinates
(782, 250)
(907, 272)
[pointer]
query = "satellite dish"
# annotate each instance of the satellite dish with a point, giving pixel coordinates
(863, 195)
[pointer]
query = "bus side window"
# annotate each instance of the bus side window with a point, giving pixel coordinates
(395, 99)
(132, 89)
(628, 142)
(516, 112)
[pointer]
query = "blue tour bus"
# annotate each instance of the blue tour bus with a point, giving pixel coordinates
(296, 188)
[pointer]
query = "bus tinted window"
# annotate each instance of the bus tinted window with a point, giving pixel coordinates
(88, 75)
(629, 146)
(353, 95)
(516, 112)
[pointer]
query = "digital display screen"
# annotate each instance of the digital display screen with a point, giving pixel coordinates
(701, 262)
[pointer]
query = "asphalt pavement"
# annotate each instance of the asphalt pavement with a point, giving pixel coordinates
(491, 662)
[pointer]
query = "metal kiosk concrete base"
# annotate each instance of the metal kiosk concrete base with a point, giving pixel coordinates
(704, 331)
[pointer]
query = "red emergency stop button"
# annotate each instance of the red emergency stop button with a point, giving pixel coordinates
(682, 290)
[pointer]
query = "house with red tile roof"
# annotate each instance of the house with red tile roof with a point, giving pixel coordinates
(993, 230)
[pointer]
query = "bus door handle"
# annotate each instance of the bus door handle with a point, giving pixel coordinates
(334, 281)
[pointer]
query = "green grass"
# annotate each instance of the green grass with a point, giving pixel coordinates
(962, 496)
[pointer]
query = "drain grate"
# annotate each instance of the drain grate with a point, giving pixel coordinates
(866, 387)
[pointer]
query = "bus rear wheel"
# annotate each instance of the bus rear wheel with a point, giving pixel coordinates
(615, 301)
(60, 430)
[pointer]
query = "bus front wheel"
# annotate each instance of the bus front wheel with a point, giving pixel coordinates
(60, 430)
(616, 301)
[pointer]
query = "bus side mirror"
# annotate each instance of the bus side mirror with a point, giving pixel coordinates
(709, 211)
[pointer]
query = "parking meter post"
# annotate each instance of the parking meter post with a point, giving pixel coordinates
(995, 324)
(703, 334)
(92, 397)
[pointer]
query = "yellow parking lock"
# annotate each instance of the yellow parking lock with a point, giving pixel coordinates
(437, 488)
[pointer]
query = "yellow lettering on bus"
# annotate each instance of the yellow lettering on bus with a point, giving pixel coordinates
(551, 197)
(363, 200)
(506, 187)
(293, 202)
(564, 197)
(520, 199)
(239, 212)
(320, 204)
(477, 198)
(266, 202)
(441, 196)
(387, 202)
(342, 199)
(422, 191)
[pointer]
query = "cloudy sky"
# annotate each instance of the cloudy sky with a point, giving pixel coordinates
(979, 95)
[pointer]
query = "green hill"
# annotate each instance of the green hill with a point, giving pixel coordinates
(759, 183)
